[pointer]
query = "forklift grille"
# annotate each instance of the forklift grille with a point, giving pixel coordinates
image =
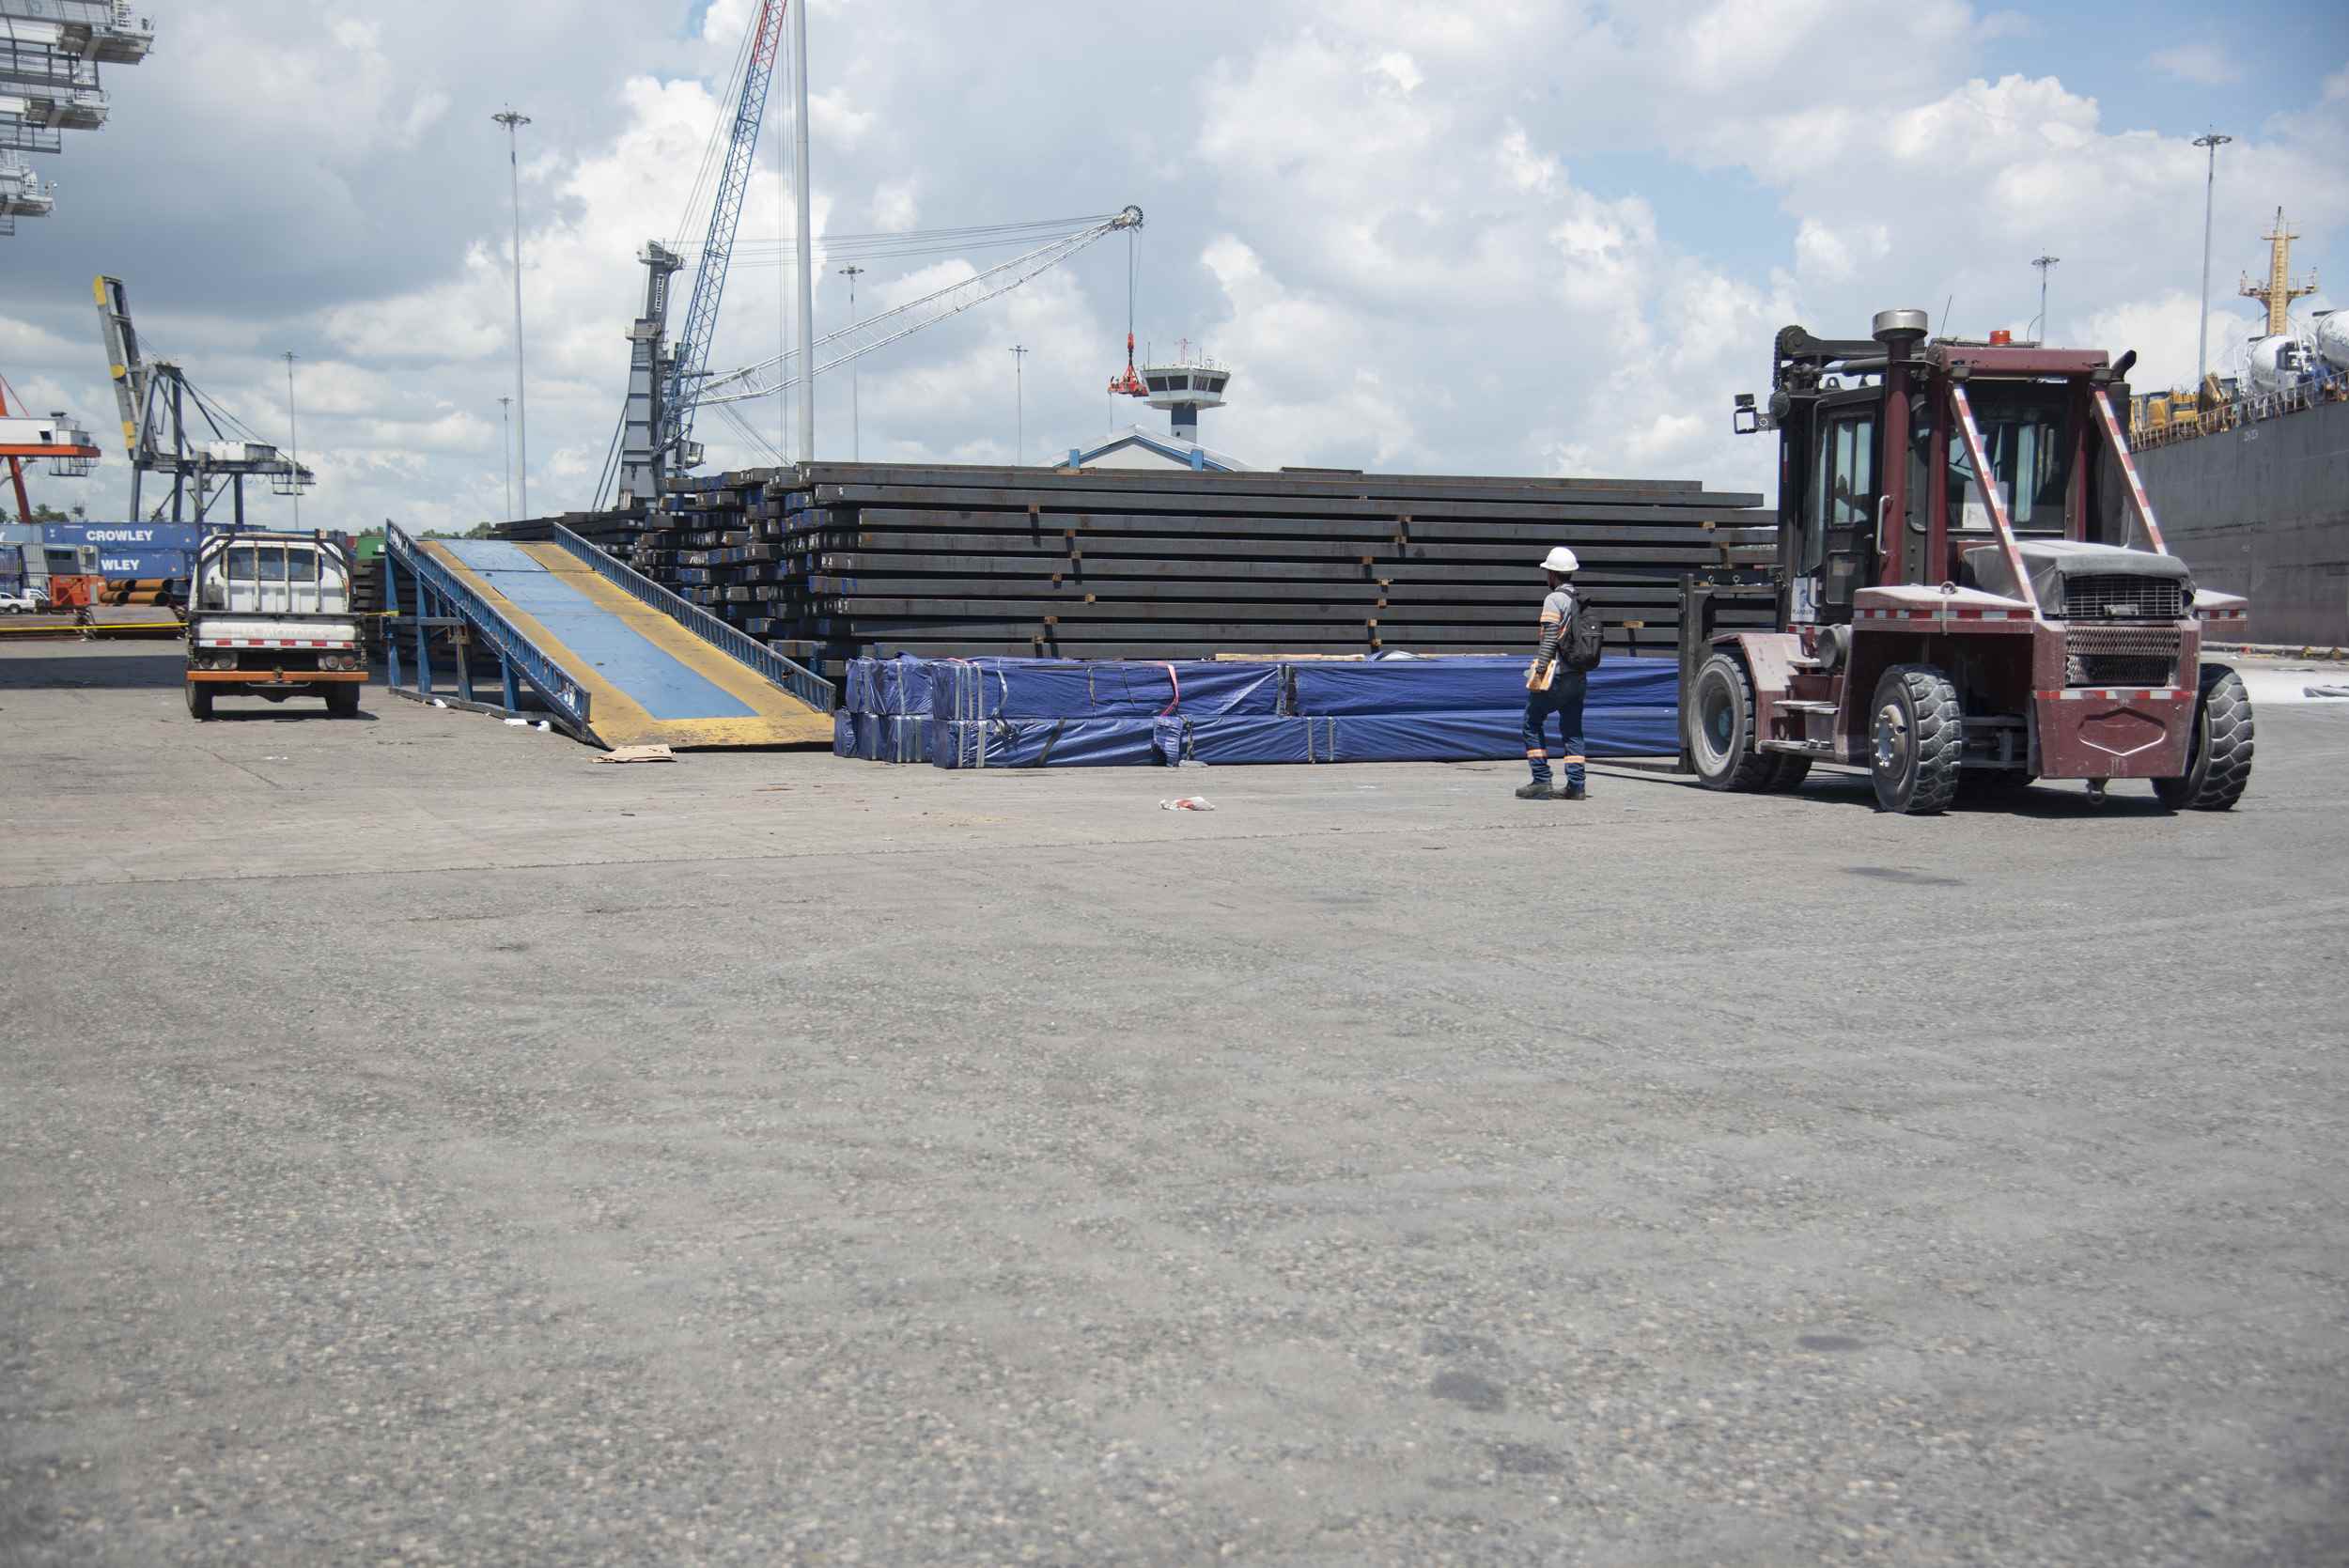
(2121, 654)
(2115, 597)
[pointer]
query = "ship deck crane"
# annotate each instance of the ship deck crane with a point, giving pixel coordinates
(154, 396)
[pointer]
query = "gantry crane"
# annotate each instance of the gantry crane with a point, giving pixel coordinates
(57, 441)
(154, 396)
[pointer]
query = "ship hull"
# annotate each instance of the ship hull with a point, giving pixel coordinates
(2264, 511)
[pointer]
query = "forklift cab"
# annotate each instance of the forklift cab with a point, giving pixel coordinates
(1837, 431)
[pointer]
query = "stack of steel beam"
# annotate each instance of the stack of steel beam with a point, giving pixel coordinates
(829, 561)
(614, 533)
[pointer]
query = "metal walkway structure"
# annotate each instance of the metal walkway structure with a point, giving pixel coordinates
(611, 656)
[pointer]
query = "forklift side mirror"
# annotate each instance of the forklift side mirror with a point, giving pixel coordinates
(1745, 419)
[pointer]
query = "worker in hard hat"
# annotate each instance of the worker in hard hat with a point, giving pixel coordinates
(1557, 681)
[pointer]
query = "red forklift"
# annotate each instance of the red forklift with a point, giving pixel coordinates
(1971, 589)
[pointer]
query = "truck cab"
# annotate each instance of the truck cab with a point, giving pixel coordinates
(270, 614)
(1971, 587)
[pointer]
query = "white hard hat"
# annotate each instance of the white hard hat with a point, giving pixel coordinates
(1560, 559)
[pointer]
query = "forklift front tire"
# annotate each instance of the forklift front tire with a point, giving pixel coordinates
(1720, 728)
(342, 702)
(1916, 735)
(199, 700)
(2218, 764)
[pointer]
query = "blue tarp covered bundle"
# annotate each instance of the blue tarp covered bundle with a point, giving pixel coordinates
(892, 737)
(886, 710)
(964, 690)
(1495, 684)
(1480, 735)
(899, 685)
(1079, 714)
(1043, 742)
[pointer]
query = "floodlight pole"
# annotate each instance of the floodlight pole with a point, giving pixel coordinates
(513, 123)
(293, 439)
(1020, 402)
(856, 436)
(807, 247)
(2213, 141)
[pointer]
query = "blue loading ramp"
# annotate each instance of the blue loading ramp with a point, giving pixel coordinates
(616, 659)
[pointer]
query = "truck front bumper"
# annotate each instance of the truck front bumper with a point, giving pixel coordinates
(2110, 731)
(275, 678)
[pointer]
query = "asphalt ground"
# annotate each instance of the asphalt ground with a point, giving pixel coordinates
(421, 1144)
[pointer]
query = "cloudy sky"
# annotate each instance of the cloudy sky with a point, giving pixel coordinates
(1473, 236)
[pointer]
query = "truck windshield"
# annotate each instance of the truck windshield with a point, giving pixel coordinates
(2026, 430)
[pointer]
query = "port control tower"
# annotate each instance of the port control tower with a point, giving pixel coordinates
(1183, 386)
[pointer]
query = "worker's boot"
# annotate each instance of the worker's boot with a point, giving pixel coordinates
(1537, 790)
(1573, 792)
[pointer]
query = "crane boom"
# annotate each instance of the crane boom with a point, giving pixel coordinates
(771, 376)
(725, 214)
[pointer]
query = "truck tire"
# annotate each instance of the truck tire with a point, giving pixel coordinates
(199, 700)
(2218, 764)
(1787, 776)
(1916, 733)
(342, 701)
(1718, 728)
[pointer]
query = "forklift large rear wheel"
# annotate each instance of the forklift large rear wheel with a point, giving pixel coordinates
(199, 700)
(1916, 736)
(2219, 768)
(1719, 727)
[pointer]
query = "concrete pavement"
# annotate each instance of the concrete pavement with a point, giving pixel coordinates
(420, 1144)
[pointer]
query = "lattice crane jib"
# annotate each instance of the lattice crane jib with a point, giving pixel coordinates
(725, 214)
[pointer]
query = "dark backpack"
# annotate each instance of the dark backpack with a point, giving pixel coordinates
(1581, 649)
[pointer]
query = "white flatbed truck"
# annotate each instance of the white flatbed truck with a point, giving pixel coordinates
(270, 616)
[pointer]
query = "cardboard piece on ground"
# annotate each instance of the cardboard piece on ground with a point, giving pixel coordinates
(659, 753)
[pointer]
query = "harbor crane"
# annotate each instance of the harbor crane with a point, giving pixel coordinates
(668, 384)
(58, 440)
(154, 396)
(642, 463)
(656, 425)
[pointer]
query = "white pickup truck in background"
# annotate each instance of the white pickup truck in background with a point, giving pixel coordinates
(270, 615)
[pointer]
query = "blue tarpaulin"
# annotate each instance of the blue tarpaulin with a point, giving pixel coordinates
(892, 738)
(969, 689)
(1480, 736)
(1058, 712)
(1043, 742)
(899, 685)
(1463, 685)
